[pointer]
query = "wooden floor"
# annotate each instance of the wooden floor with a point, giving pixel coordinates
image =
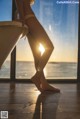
(24, 101)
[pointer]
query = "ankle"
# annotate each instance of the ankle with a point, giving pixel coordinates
(38, 74)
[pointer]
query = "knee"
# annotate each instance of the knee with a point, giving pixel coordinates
(51, 47)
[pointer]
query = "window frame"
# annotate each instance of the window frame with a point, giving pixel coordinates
(13, 61)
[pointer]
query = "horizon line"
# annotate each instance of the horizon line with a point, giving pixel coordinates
(49, 61)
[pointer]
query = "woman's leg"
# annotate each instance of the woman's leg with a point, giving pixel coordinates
(38, 33)
(39, 78)
(19, 4)
(36, 78)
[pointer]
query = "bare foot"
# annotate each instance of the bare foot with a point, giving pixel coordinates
(42, 85)
(46, 87)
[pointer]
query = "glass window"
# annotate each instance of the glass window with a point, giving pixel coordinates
(24, 65)
(5, 10)
(5, 69)
(60, 20)
(5, 15)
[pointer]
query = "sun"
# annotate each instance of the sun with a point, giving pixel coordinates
(41, 49)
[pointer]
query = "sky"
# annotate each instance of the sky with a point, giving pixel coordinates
(61, 24)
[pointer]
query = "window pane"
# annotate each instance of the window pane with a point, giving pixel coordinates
(5, 69)
(5, 10)
(24, 65)
(5, 15)
(60, 20)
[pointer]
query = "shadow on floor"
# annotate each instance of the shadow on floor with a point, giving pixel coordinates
(46, 106)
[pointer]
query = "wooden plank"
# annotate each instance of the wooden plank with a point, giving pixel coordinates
(24, 101)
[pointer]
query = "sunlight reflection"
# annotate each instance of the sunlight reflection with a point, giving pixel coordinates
(50, 28)
(21, 35)
(41, 49)
(37, 93)
(45, 72)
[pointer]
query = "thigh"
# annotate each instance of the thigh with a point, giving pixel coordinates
(34, 46)
(38, 32)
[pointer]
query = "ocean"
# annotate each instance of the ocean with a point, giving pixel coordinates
(53, 70)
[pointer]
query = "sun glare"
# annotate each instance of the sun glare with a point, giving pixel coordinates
(41, 49)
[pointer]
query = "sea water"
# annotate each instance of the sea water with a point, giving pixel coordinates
(53, 70)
